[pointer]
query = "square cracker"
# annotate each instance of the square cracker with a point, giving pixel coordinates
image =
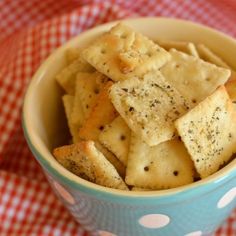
(102, 114)
(88, 86)
(186, 47)
(163, 166)
(67, 77)
(68, 101)
(149, 106)
(123, 53)
(209, 132)
(116, 137)
(194, 78)
(86, 161)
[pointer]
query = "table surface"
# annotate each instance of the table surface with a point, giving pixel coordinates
(30, 30)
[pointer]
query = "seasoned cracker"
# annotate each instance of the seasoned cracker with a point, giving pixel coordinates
(194, 78)
(67, 77)
(123, 53)
(72, 158)
(111, 158)
(149, 106)
(102, 114)
(68, 101)
(163, 166)
(116, 137)
(209, 132)
(88, 86)
(88, 162)
(186, 47)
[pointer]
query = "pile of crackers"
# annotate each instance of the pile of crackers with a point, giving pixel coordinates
(146, 115)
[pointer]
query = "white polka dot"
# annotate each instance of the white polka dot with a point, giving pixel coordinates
(154, 221)
(227, 198)
(64, 193)
(105, 233)
(195, 233)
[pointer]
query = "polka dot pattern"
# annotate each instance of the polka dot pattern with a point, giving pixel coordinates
(105, 233)
(227, 198)
(195, 233)
(154, 221)
(64, 193)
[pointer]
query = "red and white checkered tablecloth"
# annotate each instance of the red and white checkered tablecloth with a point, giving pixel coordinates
(29, 32)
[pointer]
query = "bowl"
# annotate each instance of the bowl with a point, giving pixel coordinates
(195, 209)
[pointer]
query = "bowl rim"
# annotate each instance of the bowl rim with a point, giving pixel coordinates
(68, 178)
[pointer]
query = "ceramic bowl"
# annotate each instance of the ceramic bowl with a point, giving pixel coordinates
(195, 209)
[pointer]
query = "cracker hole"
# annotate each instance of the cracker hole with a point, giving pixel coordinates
(123, 36)
(176, 173)
(177, 65)
(103, 51)
(194, 100)
(87, 106)
(208, 79)
(149, 54)
(122, 137)
(96, 90)
(146, 168)
(101, 127)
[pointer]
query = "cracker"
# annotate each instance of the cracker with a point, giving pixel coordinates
(116, 137)
(194, 78)
(88, 162)
(68, 101)
(123, 53)
(232, 76)
(72, 54)
(163, 166)
(149, 106)
(111, 158)
(209, 132)
(208, 55)
(71, 157)
(77, 113)
(102, 114)
(88, 86)
(67, 77)
(186, 47)
(231, 89)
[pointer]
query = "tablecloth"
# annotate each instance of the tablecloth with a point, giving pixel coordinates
(29, 32)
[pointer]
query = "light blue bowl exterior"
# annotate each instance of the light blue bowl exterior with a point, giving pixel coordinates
(192, 210)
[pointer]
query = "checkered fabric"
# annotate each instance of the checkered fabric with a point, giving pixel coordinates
(29, 32)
